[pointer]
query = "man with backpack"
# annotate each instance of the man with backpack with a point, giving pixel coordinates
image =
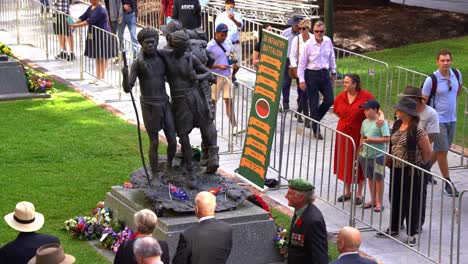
(440, 90)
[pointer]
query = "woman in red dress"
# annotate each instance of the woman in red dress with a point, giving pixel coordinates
(350, 115)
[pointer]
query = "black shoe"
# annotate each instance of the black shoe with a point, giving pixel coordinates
(358, 201)
(318, 135)
(62, 56)
(343, 198)
(386, 233)
(286, 106)
(448, 191)
(71, 56)
(411, 241)
(307, 123)
(300, 119)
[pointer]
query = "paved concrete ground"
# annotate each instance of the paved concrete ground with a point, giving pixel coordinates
(459, 6)
(302, 148)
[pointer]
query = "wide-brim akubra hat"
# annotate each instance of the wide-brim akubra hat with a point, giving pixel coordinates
(408, 106)
(51, 254)
(411, 91)
(294, 21)
(25, 218)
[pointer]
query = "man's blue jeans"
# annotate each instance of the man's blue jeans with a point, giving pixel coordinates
(318, 81)
(129, 21)
(286, 85)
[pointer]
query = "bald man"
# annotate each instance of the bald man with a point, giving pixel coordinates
(348, 243)
(209, 241)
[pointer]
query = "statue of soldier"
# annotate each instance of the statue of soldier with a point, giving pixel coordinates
(150, 70)
(197, 45)
(184, 72)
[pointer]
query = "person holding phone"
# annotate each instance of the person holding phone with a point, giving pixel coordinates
(233, 20)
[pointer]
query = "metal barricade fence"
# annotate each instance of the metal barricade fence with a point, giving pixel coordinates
(301, 155)
(373, 73)
(149, 13)
(102, 47)
(248, 37)
(33, 26)
(460, 210)
(62, 41)
(225, 117)
(9, 16)
(409, 194)
(402, 77)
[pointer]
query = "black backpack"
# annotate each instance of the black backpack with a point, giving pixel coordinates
(431, 99)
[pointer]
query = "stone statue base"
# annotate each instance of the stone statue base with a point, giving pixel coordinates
(228, 197)
(253, 229)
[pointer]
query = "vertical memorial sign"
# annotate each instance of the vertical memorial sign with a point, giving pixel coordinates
(264, 110)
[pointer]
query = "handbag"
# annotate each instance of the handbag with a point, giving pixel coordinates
(292, 71)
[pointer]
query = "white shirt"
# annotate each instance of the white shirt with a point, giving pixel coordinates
(429, 120)
(205, 218)
(347, 253)
(233, 33)
(293, 53)
(317, 57)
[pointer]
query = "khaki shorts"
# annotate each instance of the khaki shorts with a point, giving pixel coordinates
(223, 85)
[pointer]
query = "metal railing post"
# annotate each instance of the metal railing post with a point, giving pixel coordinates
(17, 23)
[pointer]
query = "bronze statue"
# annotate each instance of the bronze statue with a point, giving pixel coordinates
(156, 109)
(184, 73)
(197, 46)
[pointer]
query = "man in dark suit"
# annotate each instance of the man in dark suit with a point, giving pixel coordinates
(308, 233)
(209, 241)
(27, 221)
(348, 242)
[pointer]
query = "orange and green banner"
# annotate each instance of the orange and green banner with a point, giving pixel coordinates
(264, 111)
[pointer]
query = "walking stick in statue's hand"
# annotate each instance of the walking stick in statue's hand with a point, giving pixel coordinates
(129, 90)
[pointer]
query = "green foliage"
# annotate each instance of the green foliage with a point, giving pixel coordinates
(62, 154)
(419, 57)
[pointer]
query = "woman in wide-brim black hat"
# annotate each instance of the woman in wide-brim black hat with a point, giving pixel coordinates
(408, 142)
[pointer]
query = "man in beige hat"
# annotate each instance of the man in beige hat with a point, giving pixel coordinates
(27, 221)
(52, 254)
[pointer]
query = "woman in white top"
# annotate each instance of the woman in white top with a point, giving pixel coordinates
(294, 54)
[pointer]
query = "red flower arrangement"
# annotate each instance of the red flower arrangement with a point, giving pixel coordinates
(258, 201)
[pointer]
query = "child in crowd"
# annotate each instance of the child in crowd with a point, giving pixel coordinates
(371, 160)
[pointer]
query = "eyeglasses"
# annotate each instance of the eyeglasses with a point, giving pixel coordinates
(303, 28)
(449, 84)
(319, 31)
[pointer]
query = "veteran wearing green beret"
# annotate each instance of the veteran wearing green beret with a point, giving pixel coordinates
(308, 233)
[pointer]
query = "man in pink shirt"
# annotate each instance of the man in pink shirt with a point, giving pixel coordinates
(315, 66)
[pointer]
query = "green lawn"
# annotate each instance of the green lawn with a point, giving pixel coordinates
(62, 154)
(417, 57)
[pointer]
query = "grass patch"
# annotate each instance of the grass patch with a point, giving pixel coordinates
(419, 57)
(284, 221)
(62, 154)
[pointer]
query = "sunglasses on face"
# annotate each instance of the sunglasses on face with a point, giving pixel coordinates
(319, 31)
(303, 28)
